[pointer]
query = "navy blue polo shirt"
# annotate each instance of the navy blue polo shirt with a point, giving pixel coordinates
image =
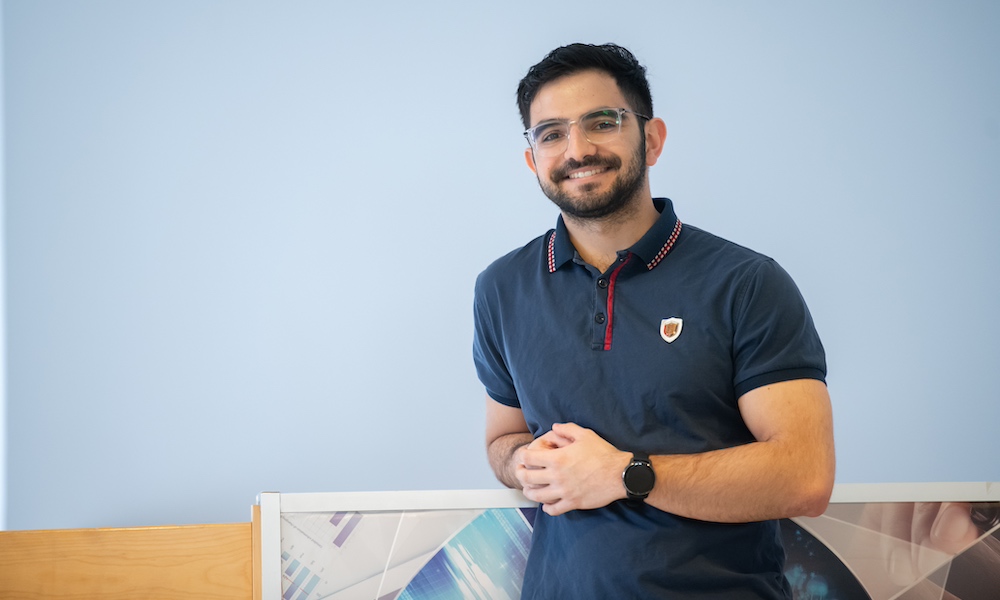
(652, 355)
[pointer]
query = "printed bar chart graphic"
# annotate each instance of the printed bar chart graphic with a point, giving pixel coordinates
(855, 550)
(301, 580)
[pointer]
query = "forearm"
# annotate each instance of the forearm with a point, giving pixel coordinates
(753, 482)
(787, 472)
(501, 453)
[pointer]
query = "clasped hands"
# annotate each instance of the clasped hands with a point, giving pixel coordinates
(571, 468)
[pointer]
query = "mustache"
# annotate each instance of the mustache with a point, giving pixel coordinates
(562, 172)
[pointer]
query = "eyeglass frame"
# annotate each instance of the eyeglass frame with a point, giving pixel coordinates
(569, 126)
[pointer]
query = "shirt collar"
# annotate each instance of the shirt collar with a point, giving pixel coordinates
(651, 248)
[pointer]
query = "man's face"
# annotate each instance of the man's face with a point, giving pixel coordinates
(588, 181)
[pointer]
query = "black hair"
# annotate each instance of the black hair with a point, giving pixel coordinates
(614, 60)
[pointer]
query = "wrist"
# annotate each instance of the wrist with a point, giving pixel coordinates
(514, 460)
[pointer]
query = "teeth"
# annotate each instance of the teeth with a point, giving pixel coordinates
(585, 173)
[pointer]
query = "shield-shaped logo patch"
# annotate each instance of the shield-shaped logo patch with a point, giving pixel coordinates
(670, 329)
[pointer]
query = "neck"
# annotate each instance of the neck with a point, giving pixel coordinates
(599, 240)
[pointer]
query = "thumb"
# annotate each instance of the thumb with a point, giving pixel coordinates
(570, 431)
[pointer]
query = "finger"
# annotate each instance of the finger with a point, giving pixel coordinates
(897, 519)
(553, 510)
(531, 493)
(559, 507)
(924, 514)
(894, 524)
(569, 431)
(532, 477)
(924, 556)
(559, 441)
(542, 494)
(536, 458)
(953, 529)
(530, 483)
(552, 439)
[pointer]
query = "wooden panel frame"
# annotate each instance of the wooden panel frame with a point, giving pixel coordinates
(212, 562)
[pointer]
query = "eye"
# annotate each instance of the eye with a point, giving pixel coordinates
(603, 121)
(549, 134)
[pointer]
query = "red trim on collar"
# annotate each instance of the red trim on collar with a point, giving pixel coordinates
(552, 252)
(667, 246)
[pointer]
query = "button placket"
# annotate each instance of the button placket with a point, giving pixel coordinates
(599, 315)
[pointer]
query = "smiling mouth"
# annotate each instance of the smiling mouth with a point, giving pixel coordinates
(588, 173)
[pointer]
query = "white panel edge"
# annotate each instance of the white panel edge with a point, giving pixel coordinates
(270, 545)
(916, 492)
(411, 500)
(483, 499)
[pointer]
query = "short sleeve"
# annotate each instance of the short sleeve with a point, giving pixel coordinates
(487, 345)
(774, 338)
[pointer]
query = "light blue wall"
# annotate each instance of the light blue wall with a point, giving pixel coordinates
(241, 237)
(3, 310)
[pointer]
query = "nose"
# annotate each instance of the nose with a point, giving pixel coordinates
(578, 146)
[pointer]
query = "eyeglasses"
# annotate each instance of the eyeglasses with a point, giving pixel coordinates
(551, 138)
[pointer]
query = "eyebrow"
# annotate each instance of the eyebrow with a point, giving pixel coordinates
(589, 112)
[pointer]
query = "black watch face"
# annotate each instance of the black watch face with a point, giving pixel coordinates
(639, 479)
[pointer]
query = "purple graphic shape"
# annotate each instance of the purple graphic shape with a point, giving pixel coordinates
(346, 531)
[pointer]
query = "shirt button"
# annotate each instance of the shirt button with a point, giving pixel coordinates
(599, 317)
(602, 283)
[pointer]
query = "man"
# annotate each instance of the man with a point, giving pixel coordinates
(658, 390)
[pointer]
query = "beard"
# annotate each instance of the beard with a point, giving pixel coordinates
(596, 206)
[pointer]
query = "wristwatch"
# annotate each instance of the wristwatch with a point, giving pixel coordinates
(638, 477)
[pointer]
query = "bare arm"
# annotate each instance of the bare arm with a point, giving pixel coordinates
(506, 434)
(787, 472)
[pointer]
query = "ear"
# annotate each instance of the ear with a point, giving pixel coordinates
(529, 157)
(656, 137)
